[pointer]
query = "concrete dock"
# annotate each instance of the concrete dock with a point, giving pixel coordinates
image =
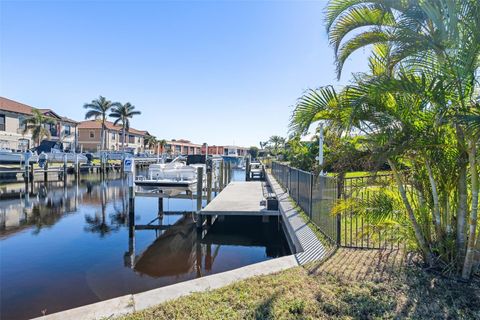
(240, 198)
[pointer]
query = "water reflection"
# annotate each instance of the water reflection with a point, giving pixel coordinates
(97, 223)
(45, 204)
(66, 245)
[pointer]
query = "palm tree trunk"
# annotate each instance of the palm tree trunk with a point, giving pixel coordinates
(102, 136)
(123, 137)
(476, 258)
(462, 197)
(469, 257)
(416, 227)
(436, 203)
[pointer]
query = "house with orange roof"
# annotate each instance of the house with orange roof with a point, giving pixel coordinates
(12, 136)
(90, 132)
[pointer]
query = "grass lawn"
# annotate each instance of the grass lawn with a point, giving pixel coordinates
(359, 174)
(351, 284)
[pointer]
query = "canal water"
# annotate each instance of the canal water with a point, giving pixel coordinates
(66, 246)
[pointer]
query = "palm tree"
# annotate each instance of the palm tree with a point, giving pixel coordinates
(36, 125)
(123, 113)
(440, 40)
(149, 141)
(161, 144)
(278, 142)
(98, 109)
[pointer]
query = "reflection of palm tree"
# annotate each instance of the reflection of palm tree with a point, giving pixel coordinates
(98, 224)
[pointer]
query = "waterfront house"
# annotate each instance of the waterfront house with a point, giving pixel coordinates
(90, 131)
(181, 147)
(12, 116)
(225, 150)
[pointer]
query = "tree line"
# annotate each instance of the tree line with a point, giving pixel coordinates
(417, 110)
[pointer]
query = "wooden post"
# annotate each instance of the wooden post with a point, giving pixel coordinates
(225, 174)
(45, 171)
(247, 170)
(64, 168)
(229, 172)
(160, 206)
(77, 167)
(26, 174)
(199, 196)
(31, 173)
(209, 185)
(220, 178)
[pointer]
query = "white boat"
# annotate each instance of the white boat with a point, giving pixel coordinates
(59, 156)
(176, 174)
(8, 156)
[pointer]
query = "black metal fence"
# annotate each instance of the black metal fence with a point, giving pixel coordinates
(317, 195)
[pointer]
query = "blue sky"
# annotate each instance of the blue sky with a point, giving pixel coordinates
(220, 72)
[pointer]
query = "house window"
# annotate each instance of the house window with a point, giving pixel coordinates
(92, 134)
(113, 136)
(52, 128)
(67, 130)
(2, 122)
(21, 123)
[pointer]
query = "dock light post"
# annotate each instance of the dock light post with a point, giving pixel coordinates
(320, 147)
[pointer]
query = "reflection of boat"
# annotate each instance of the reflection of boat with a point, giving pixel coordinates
(176, 174)
(173, 253)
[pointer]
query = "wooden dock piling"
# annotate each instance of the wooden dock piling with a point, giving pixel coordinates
(45, 171)
(209, 184)
(229, 172)
(220, 179)
(199, 196)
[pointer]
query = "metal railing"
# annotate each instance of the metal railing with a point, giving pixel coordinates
(317, 195)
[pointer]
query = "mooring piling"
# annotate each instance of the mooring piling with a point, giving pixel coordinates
(209, 184)
(199, 196)
(220, 179)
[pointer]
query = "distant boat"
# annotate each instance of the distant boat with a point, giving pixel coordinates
(59, 156)
(176, 174)
(8, 156)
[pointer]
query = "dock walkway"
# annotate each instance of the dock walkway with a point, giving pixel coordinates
(240, 198)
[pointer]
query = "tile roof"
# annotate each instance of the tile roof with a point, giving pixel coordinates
(14, 106)
(97, 124)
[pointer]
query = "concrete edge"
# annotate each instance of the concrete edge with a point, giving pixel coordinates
(284, 197)
(308, 247)
(135, 302)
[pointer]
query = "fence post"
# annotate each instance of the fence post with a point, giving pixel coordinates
(311, 196)
(339, 216)
(289, 178)
(298, 185)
